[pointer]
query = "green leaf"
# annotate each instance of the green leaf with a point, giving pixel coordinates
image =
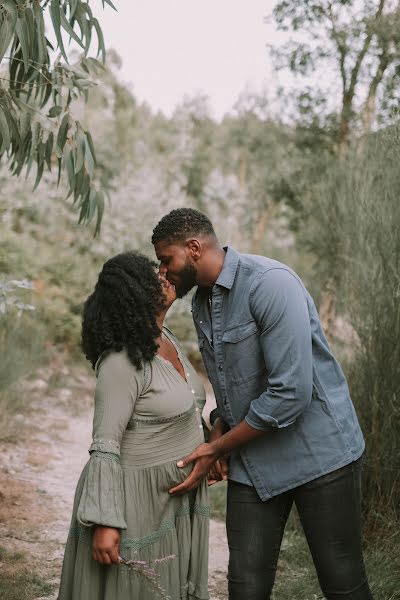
(79, 178)
(13, 127)
(22, 32)
(72, 8)
(92, 204)
(7, 26)
(79, 152)
(30, 25)
(49, 149)
(84, 25)
(62, 135)
(101, 47)
(55, 111)
(4, 132)
(100, 211)
(40, 33)
(68, 160)
(36, 134)
(67, 26)
(109, 4)
(40, 166)
(85, 188)
(55, 13)
(83, 215)
(91, 146)
(59, 170)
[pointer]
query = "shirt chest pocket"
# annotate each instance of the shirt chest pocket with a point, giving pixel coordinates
(242, 352)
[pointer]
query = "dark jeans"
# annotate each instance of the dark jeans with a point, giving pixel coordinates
(329, 510)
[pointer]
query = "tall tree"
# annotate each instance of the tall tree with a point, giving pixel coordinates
(360, 39)
(38, 87)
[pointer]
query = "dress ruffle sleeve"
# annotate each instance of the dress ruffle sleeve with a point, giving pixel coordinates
(102, 500)
(117, 389)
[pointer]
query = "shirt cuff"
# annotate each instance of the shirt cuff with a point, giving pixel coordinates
(265, 422)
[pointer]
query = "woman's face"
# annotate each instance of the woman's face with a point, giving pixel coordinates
(168, 291)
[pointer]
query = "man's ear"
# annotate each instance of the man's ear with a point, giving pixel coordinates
(195, 248)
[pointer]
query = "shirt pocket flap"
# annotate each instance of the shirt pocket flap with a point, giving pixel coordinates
(240, 332)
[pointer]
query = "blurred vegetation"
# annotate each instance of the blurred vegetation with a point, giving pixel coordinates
(17, 582)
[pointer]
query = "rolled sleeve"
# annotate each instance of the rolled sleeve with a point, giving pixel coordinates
(279, 306)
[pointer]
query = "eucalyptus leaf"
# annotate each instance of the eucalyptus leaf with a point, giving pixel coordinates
(55, 13)
(4, 132)
(55, 111)
(67, 26)
(7, 25)
(22, 32)
(100, 211)
(101, 47)
(109, 3)
(62, 134)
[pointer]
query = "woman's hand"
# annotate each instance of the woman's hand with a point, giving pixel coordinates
(105, 545)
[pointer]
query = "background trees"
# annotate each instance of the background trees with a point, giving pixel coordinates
(354, 43)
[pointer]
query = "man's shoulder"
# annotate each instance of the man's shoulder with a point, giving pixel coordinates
(261, 264)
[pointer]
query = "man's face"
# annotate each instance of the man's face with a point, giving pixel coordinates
(176, 266)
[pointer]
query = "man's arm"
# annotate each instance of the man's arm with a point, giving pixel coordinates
(280, 309)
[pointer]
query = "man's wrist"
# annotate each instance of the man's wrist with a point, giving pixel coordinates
(219, 428)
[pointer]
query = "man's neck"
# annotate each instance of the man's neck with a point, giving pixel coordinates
(212, 268)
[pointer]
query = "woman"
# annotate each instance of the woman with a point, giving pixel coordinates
(147, 414)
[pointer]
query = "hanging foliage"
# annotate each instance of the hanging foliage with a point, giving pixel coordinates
(37, 87)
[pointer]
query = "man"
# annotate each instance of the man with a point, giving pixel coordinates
(284, 412)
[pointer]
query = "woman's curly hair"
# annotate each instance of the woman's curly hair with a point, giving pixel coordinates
(122, 310)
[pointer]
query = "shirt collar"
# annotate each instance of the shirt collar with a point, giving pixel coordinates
(228, 273)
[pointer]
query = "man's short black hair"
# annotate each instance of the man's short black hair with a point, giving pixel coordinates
(181, 224)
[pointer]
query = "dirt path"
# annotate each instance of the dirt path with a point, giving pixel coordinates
(38, 475)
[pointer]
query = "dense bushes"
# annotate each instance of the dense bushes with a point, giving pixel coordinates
(353, 230)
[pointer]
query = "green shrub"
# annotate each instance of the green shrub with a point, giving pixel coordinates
(353, 231)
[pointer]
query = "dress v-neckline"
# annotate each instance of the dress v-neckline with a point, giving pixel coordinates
(169, 363)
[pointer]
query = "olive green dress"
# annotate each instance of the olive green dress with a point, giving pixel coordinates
(144, 420)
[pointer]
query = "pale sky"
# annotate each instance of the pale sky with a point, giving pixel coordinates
(172, 48)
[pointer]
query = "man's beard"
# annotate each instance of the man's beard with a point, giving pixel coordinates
(187, 280)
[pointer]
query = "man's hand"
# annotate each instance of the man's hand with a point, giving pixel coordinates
(219, 472)
(204, 456)
(220, 469)
(105, 545)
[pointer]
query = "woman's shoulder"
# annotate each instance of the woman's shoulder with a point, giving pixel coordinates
(115, 363)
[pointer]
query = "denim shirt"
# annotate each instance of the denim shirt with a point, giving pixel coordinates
(269, 363)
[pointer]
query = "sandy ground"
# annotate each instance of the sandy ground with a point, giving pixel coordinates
(40, 462)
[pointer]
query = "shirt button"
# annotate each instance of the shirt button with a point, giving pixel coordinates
(200, 426)
(193, 392)
(197, 409)
(201, 322)
(219, 367)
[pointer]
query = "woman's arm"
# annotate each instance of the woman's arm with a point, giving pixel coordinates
(102, 502)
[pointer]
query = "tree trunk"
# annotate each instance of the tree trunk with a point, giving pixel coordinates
(369, 110)
(345, 123)
(259, 232)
